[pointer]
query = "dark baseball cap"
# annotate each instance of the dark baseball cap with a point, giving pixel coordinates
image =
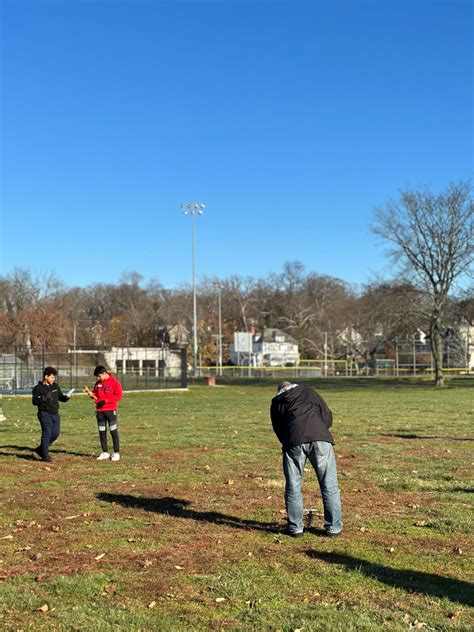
(99, 369)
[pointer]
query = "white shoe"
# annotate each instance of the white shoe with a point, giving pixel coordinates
(115, 456)
(103, 456)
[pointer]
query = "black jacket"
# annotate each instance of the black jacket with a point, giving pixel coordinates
(47, 397)
(299, 415)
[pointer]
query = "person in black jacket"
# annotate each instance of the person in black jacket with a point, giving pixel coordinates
(301, 420)
(46, 395)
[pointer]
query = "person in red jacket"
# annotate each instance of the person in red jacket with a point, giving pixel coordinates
(107, 392)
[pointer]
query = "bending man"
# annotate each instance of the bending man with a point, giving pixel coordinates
(301, 421)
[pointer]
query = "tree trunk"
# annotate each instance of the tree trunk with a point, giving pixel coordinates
(437, 351)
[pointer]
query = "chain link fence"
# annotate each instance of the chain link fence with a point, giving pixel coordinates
(136, 368)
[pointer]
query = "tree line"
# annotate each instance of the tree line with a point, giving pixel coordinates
(432, 236)
(312, 308)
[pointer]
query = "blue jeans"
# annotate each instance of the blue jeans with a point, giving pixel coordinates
(323, 460)
(50, 429)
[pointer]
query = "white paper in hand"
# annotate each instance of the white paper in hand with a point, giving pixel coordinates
(70, 392)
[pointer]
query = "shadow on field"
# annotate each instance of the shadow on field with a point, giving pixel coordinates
(415, 436)
(31, 457)
(178, 507)
(409, 580)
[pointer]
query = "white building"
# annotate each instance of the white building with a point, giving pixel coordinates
(467, 335)
(272, 347)
(144, 360)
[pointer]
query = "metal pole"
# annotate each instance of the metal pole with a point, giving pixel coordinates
(467, 348)
(220, 334)
(396, 358)
(250, 354)
(192, 209)
(325, 354)
(414, 354)
(194, 303)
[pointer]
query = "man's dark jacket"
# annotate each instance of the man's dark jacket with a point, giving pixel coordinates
(299, 415)
(47, 397)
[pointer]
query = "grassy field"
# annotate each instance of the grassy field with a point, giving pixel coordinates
(186, 532)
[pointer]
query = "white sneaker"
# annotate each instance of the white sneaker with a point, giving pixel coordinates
(115, 456)
(103, 456)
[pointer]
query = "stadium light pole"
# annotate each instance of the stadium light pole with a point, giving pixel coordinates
(194, 208)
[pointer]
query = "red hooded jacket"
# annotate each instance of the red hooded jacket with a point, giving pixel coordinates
(108, 391)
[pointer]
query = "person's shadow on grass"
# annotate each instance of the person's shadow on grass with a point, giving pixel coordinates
(32, 457)
(409, 580)
(179, 507)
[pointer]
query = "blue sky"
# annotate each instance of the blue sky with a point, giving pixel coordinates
(290, 121)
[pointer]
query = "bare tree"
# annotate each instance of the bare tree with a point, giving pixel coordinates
(432, 237)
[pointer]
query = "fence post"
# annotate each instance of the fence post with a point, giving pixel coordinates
(184, 369)
(396, 358)
(414, 355)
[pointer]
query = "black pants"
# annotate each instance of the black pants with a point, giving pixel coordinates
(110, 417)
(50, 429)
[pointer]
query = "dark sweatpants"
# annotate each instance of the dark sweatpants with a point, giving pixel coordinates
(50, 429)
(110, 417)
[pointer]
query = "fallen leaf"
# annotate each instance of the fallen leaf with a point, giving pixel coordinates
(131, 540)
(363, 529)
(71, 517)
(147, 563)
(152, 604)
(230, 482)
(179, 568)
(40, 578)
(454, 615)
(7, 537)
(391, 549)
(220, 599)
(457, 550)
(55, 528)
(421, 523)
(99, 557)
(44, 608)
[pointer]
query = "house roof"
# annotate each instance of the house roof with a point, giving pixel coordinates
(270, 333)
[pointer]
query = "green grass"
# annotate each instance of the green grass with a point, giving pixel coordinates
(185, 533)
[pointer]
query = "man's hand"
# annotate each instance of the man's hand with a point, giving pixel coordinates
(89, 393)
(100, 404)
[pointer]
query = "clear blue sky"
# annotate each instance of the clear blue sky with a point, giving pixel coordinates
(291, 121)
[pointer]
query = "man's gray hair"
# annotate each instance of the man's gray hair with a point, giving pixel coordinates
(283, 384)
